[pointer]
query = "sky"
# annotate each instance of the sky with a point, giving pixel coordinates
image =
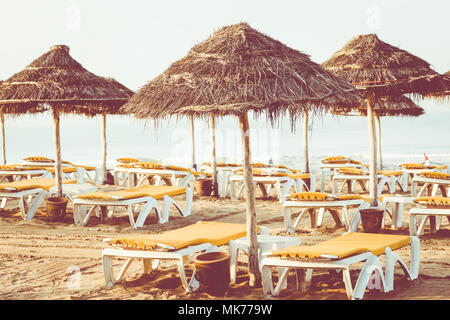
(134, 41)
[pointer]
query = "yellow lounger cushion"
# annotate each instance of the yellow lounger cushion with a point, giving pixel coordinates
(44, 183)
(390, 173)
(216, 233)
(156, 192)
(336, 160)
(15, 167)
(380, 197)
(177, 168)
(221, 164)
(412, 165)
(439, 166)
(310, 196)
(127, 160)
(63, 169)
(38, 159)
(435, 175)
(433, 201)
(352, 171)
(347, 245)
(148, 165)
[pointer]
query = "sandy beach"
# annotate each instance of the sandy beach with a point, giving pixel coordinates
(40, 258)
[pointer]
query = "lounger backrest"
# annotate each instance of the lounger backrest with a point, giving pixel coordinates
(156, 192)
(44, 183)
(347, 245)
(216, 233)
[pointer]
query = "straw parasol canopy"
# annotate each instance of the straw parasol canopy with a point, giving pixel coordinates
(388, 107)
(400, 106)
(236, 70)
(380, 69)
(57, 82)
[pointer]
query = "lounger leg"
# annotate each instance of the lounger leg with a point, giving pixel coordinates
(108, 271)
(234, 252)
(335, 217)
(413, 189)
(320, 216)
(145, 211)
(35, 205)
(371, 265)
(288, 219)
(3, 203)
(304, 277)
(267, 282)
(323, 177)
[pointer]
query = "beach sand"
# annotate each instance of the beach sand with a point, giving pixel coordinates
(40, 259)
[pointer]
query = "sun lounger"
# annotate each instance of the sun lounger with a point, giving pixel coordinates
(309, 202)
(331, 163)
(431, 181)
(16, 172)
(147, 196)
(25, 190)
(431, 208)
(339, 254)
(283, 182)
(351, 176)
(175, 245)
(135, 174)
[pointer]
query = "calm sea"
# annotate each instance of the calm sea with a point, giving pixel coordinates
(403, 139)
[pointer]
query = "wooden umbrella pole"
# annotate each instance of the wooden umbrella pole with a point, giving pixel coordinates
(58, 160)
(213, 155)
(253, 266)
(378, 128)
(373, 194)
(104, 149)
(305, 139)
(3, 139)
(191, 120)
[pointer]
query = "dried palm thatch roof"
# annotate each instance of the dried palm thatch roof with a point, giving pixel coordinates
(373, 65)
(238, 69)
(58, 80)
(389, 106)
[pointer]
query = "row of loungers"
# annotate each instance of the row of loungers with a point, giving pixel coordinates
(142, 200)
(338, 254)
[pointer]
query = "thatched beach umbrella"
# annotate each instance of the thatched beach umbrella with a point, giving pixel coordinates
(58, 82)
(399, 106)
(380, 70)
(234, 71)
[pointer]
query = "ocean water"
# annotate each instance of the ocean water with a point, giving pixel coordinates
(403, 139)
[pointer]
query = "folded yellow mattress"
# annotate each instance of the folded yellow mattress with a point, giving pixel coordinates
(388, 173)
(346, 245)
(44, 183)
(433, 202)
(156, 192)
(216, 233)
(435, 175)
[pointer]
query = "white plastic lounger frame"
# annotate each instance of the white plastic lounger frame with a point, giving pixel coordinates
(18, 175)
(328, 170)
(151, 260)
(416, 228)
(81, 215)
(372, 264)
(134, 177)
(435, 184)
(329, 205)
(390, 181)
(27, 204)
(282, 185)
